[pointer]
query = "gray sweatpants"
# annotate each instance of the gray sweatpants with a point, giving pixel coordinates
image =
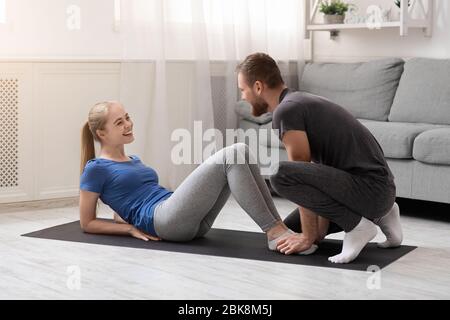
(191, 210)
(337, 195)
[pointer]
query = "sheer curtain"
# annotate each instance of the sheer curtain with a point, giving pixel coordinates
(194, 35)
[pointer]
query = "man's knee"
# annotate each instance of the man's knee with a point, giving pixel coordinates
(278, 178)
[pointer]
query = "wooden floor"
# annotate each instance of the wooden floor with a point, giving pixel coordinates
(44, 269)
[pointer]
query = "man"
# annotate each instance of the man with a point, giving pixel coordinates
(336, 172)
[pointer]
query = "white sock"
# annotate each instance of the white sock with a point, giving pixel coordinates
(355, 241)
(309, 251)
(391, 227)
(272, 244)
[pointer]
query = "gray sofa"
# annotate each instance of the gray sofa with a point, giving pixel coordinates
(406, 106)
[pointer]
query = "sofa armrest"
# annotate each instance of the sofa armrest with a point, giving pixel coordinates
(244, 110)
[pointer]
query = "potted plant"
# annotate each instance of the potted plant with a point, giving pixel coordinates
(398, 3)
(334, 11)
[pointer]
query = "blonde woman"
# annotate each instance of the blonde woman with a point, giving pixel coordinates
(149, 211)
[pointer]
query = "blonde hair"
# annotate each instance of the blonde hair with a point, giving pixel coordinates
(96, 121)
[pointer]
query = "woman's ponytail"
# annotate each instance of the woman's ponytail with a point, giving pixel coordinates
(87, 146)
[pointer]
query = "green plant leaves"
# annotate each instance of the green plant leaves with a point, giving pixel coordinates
(334, 8)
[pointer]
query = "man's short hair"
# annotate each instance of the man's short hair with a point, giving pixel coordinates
(260, 67)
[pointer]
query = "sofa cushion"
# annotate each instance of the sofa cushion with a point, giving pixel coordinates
(396, 138)
(265, 137)
(423, 95)
(433, 146)
(244, 110)
(365, 89)
(247, 124)
(269, 138)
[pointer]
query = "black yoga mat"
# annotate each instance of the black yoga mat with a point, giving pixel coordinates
(232, 244)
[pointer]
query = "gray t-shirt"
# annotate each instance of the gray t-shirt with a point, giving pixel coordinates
(335, 137)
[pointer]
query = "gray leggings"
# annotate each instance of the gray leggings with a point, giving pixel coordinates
(337, 195)
(191, 210)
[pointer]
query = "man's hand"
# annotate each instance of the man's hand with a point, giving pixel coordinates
(294, 244)
(135, 232)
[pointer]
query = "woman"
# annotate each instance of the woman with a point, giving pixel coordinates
(151, 212)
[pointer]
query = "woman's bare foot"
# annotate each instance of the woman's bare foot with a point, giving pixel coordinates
(276, 231)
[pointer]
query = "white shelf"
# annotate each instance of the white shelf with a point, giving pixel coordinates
(346, 26)
(405, 22)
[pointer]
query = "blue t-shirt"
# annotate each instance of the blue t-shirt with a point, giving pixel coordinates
(130, 188)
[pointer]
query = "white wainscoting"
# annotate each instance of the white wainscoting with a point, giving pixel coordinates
(16, 138)
(63, 94)
(53, 102)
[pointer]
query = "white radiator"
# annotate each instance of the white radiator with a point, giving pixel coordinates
(9, 133)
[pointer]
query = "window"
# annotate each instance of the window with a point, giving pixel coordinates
(2, 11)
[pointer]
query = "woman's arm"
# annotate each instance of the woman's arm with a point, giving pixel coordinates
(118, 219)
(90, 224)
(105, 227)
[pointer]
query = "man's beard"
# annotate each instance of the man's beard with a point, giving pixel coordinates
(259, 107)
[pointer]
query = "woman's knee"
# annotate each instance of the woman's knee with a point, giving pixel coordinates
(240, 146)
(241, 149)
(237, 153)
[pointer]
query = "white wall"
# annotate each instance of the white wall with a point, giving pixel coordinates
(367, 44)
(44, 29)
(39, 29)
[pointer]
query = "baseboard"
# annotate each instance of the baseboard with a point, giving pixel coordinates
(39, 204)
